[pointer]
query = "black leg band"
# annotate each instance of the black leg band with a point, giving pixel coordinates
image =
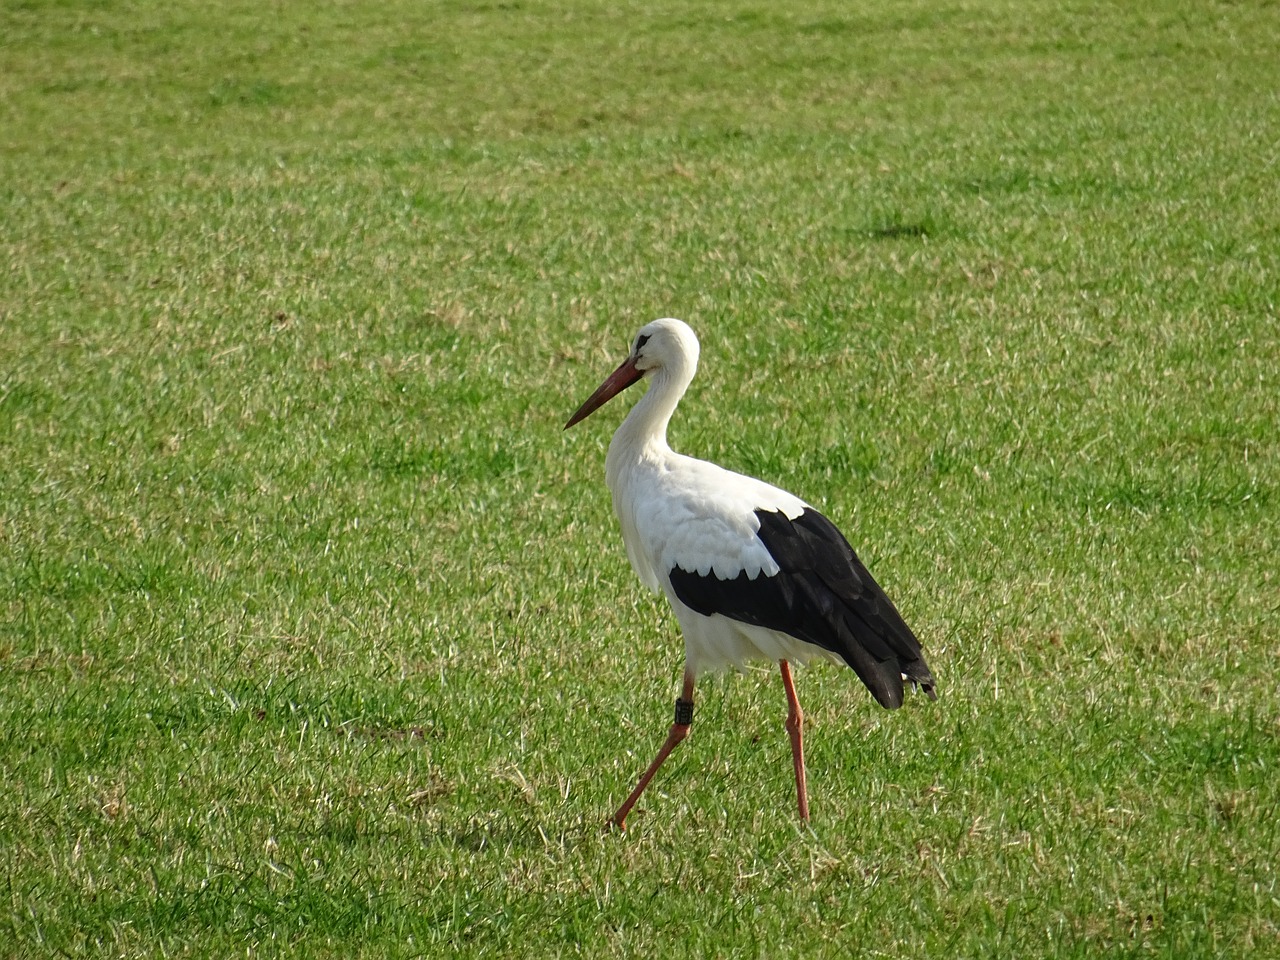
(684, 711)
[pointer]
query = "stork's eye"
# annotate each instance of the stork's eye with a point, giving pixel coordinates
(640, 342)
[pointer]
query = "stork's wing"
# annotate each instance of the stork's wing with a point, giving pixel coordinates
(820, 593)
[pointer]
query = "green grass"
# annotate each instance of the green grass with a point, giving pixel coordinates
(316, 634)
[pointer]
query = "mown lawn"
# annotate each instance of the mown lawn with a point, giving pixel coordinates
(317, 636)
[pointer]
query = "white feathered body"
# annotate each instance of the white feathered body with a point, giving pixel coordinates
(678, 511)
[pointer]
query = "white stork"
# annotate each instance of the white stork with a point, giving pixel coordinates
(750, 570)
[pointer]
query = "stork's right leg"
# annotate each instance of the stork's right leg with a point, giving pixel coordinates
(795, 730)
(679, 730)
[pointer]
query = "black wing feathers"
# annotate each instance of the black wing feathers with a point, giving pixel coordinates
(823, 595)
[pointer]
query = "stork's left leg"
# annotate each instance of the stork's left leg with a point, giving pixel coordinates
(679, 730)
(795, 728)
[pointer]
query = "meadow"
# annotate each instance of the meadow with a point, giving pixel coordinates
(317, 637)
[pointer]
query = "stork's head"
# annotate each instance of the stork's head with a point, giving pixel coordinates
(666, 345)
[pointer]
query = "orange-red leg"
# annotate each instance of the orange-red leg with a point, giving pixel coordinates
(679, 730)
(795, 728)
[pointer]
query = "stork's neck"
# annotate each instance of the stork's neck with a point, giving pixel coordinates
(643, 434)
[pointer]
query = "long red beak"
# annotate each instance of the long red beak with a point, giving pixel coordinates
(614, 384)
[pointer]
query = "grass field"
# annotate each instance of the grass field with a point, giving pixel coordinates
(317, 637)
